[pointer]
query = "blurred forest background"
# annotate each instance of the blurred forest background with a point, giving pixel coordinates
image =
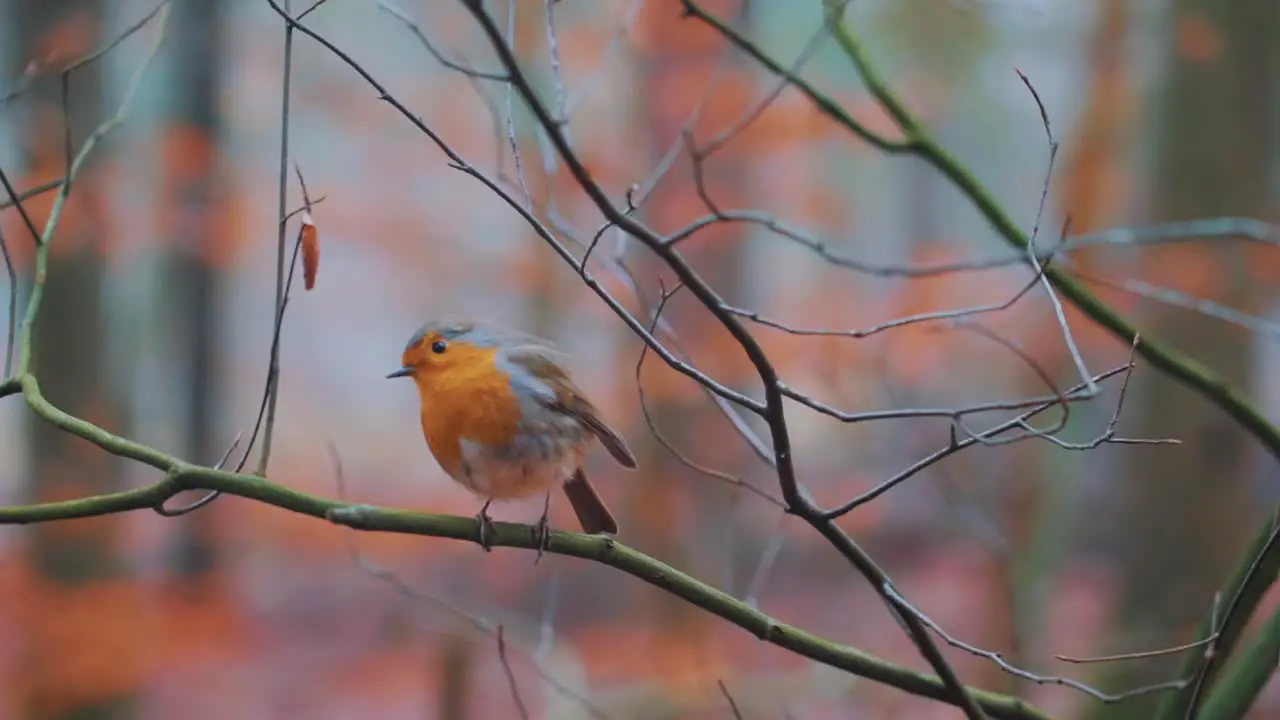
(157, 324)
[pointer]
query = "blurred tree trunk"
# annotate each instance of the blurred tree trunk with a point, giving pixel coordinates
(190, 223)
(82, 657)
(1091, 189)
(1189, 510)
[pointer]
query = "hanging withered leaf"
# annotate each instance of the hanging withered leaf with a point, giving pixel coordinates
(310, 250)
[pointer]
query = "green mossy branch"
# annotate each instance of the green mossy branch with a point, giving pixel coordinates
(1239, 600)
(181, 476)
(1243, 679)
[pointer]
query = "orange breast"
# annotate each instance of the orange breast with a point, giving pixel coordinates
(471, 400)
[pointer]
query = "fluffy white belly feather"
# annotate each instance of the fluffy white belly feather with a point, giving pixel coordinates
(517, 470)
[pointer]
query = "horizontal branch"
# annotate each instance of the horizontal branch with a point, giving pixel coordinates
(183, 477)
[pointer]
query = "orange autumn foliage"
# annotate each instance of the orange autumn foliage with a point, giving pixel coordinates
(80, 213)
(214, 228)
(582, 51)
(309, 236)
(661, 26)
(386, 672)
(187, 154)
(72, 649)
(662, 383)
(723, 105)
(1197, 38)
(1094, 184)
(791, 121)
(922, 351)
(680, 660)
(1263, 264)
(73, 36)
(197, 627)
(598, 154)
(1195, 269)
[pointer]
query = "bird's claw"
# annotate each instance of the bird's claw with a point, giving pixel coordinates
(486, 528)
(542, 534)
(542, 531)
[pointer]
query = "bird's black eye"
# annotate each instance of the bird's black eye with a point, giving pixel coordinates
(438, 347)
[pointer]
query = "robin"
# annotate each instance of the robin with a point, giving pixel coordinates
(503, 419)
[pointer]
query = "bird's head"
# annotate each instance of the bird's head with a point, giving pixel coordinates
(439, 345)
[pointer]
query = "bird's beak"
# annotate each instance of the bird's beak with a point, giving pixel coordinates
(402, 372)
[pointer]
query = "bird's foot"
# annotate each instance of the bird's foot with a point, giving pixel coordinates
(542, 531)
(486, 528)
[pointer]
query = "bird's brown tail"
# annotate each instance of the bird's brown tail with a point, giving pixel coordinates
(593, 514)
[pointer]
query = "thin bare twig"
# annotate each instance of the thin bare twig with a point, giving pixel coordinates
(1165, 233)
(636, 196)
(733, 705)
(1004, 665)
(258, 422)
(826, 104)
(561, 97)
(43, 240)
(521, 710)
(748, 118)
(955, 445)
(1211, 655)
(15, 200)
(846, 416)
(1175, 298)
(724, 477)
(580, 93)
(32, 69)
(273, 366)
(510, 116)
(307, 203)
(1142, 655)
(314, 6)
(1034, 261)
(1109, 434)
(698, 155)
(756, 317)
(64, 78)
(118, 39)
(162, 508)
(440, 57)
(1040, 372)
(30, 193)
(620, 270)
(11, 333)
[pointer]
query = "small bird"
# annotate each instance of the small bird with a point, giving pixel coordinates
(503, 419)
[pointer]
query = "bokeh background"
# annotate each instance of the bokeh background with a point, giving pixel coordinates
(158, 325)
